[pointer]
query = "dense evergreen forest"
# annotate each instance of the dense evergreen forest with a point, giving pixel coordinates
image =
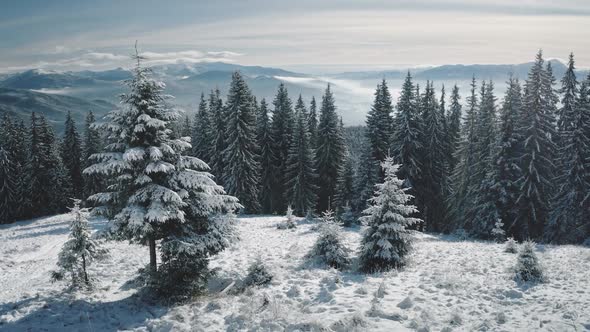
(519, 166)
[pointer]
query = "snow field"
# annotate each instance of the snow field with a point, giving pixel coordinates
(448, 285)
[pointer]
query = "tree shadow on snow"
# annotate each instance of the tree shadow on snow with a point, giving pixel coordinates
(66, 313)
(57, 229)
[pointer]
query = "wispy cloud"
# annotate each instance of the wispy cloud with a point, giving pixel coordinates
(103, 60)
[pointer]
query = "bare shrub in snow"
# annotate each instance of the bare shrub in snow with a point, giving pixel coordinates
(527, 267)
(258, 274)
(79, 251)
(329, 247)
(511, 246)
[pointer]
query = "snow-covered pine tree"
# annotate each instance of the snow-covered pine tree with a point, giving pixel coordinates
(345, 186)
(241, 159)
(448, 150)
(79, 251)
(71, 155)
(462, 178)
(511, 246)
(387, 240)
(379, 128)
(568, 222)
(14, 194)
(47, 183)
(313, 123)
(528, 268)
(433, 177)
(7, 189)
(538, 153)
(218, 119)
(407, 148)
(330, 151)
(283, 120)
(329, 247)
(92, 145)
(301, 174)
(454, 128)
(365, 172)
(159, 192)
(289, 222)
(265, 145)
(186, 128)
(483, 212)
(498, 232)
(203, 133)
(499, 191)
(347, 216)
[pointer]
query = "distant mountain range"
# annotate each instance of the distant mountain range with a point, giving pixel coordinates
(54, 93)
(21, 103)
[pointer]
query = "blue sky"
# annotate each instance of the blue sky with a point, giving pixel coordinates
(305, 35)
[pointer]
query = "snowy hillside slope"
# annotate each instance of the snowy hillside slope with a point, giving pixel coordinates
(449, 285)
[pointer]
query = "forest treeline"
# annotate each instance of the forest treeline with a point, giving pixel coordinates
(520, 164)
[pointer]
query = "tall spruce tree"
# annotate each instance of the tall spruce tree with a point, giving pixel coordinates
(495, 203)
(434, 174)
(538, 152)
(466, 154)
(330, 151)
(160, 193)
(379, 128)
(219, 120)
(301, 175)
(71, 155)
(407, 147)
(203, 133)
(568, 222)
(7, 189)
(241, 159)
(454, 128)
(48, 187)
(265, 146)
(313, 123)
(345, 189)
(13, 140)
(282, 127)
(92, 144)
(486, 143)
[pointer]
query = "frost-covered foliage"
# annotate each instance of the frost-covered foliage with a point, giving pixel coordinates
(79, 251)
(527, 267)
(387, 241)
(258, 274)
(157, 192)
(301, 175)
(329, 247)
(347, 217)
(498, 231)
(511, 246)
(289, 222)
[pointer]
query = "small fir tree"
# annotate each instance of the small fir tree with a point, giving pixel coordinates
(511, 246)
(528, 268)
(387, 241)
(79, 251)
(329, 247)
(498, 231)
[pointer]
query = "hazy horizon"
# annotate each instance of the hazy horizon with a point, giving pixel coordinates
(330, 36)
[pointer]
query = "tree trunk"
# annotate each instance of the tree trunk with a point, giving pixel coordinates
(84, 269)
(153, 263)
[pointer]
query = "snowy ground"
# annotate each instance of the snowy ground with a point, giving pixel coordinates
(448, 286)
